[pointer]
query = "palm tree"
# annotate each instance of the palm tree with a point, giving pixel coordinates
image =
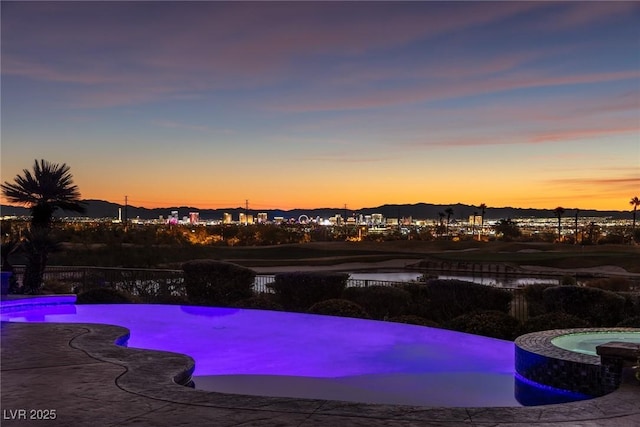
(473, 229)
(483, 208)
(559, 211)
(449, 212)
(441, 215)
(37, 245)
(48, 188)
(635, 202)
(575, 232)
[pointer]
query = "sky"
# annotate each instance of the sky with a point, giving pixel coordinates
(326, 104)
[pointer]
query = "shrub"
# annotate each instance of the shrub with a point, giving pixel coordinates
(413, 320)
(167, 299)
(535, 301)
(380, 301)
(260, 302)
(339, 307)
(550, 321)
(298, 291)
(419, 299)
(495, 324)
(102, 296)
(630, 322)
(568, 280)
(615, 284)
(56, 287)
(452, 298)
(211, 282)
(631, 303)
(598, 307)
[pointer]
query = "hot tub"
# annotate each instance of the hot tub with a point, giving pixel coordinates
(586, 342)
(566, 359)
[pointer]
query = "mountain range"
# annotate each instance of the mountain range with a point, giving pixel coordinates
(104, 209)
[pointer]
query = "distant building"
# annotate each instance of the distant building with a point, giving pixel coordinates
(226, 218)
(244, 218)
(475, 220)
(262, 217)
(173, 218)
(194, 217)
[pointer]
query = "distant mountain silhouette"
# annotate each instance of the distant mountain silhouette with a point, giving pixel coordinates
(104, 209)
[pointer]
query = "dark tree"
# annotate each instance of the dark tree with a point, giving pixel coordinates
(449, 212)
(559, 211)
(635, 202)
(483, 209)
(508, 229)
(48, 188)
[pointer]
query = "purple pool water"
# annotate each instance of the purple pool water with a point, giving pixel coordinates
(300, 355)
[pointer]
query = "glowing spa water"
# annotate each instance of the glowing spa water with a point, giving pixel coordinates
(298, 355)
(586, 342)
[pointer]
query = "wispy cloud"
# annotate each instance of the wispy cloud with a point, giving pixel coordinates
(421, 92)
(615, 185)
(172, 124)
(581, 134)
(345, 158)
(530, 137)
(205, 46)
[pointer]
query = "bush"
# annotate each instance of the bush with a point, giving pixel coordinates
(298, 291)
(102, 296)
(380, 302)
(260, 302)
(630, 322)
(568, 280)
(167, 299)
(535, 301)
(495, 324)
(210, 282)
(548, 321)
(414, 320)
(631, 303)
(615, 284)
(339, 307)
(452, 298)
(419, 299)
(56, 287)
(598, 307)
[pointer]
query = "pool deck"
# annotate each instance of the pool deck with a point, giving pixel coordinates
(76, 371)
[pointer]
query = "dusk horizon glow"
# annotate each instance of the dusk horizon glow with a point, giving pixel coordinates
(300, 105)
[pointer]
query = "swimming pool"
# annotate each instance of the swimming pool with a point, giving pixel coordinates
(302, 355)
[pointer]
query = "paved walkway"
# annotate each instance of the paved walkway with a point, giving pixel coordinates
(74, 373)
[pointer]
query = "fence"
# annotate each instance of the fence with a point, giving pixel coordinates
(153, 285)
(148, 285)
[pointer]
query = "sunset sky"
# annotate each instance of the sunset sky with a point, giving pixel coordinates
(322, 104)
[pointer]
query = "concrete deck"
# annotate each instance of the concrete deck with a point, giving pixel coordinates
(76, 371)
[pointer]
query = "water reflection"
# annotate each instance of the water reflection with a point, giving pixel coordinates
(497, 281)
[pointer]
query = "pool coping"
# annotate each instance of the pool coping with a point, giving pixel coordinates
(154, 376)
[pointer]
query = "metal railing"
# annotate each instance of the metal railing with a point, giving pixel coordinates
(148, 285)
(158, 285)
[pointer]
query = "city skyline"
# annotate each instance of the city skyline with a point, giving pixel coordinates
(300, 105)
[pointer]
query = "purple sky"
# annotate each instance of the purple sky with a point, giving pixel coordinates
(313, 104)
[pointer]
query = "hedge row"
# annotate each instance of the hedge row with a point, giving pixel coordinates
(210, 282)
(298, 291)
(463, 306)
(598, 307)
